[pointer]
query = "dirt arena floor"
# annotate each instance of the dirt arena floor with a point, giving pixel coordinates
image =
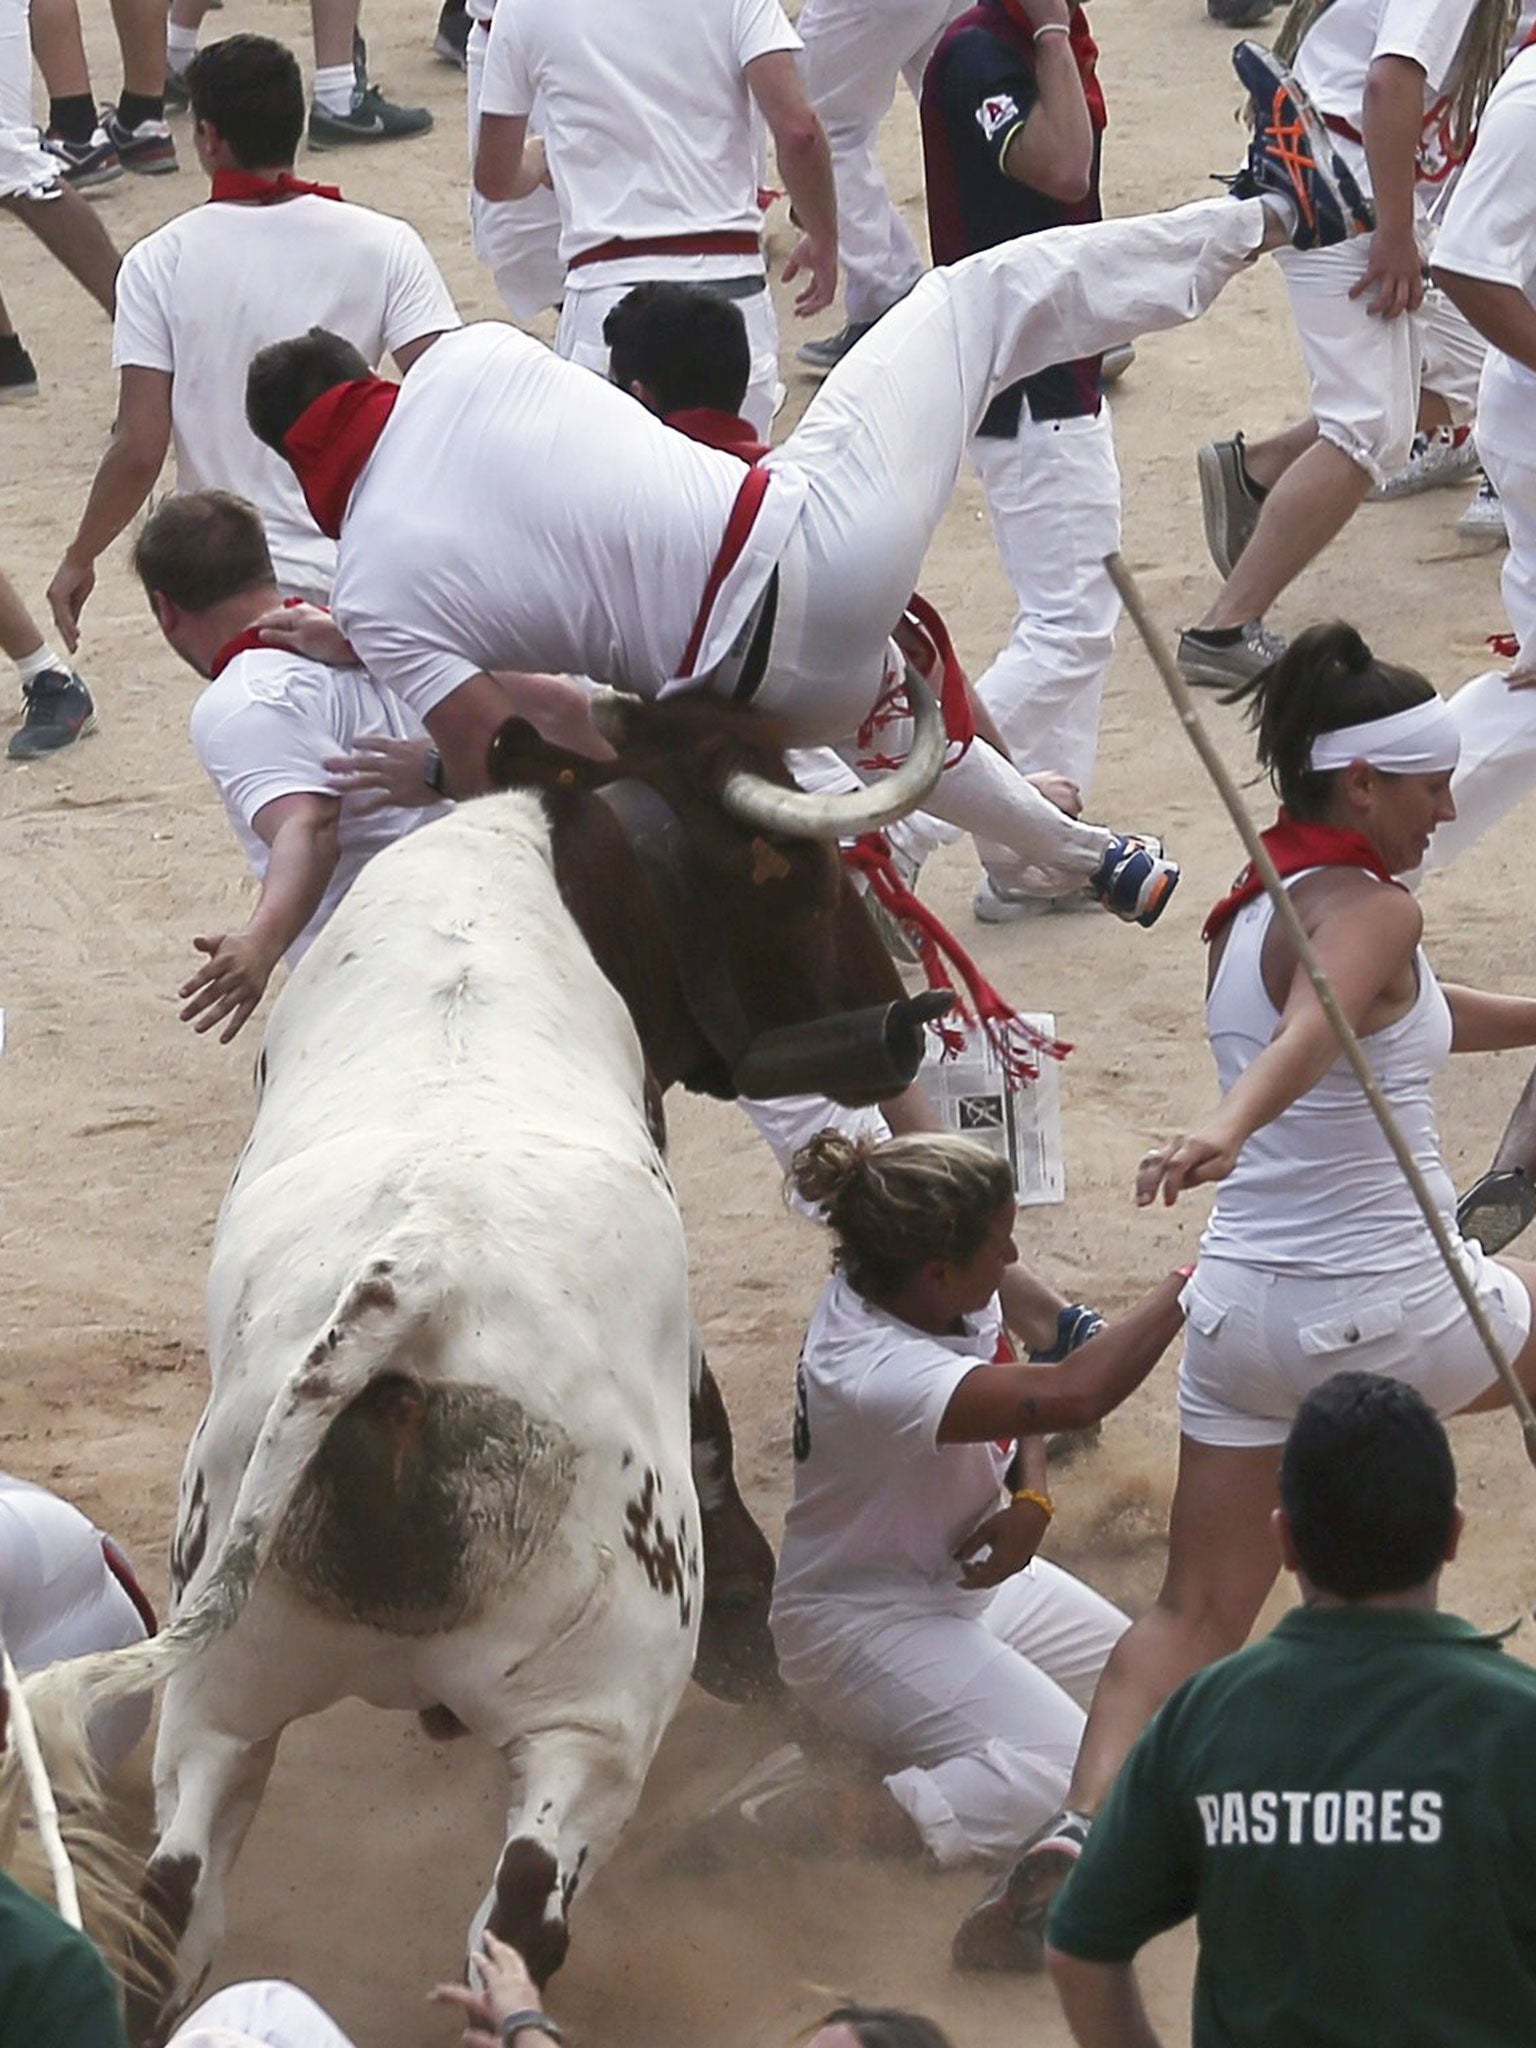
(120, 1126)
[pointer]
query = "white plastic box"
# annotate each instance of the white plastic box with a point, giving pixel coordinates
(1022, 1121)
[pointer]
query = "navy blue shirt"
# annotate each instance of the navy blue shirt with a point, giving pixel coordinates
(978, 92)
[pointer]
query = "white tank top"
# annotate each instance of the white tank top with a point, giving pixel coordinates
(1318, 1190)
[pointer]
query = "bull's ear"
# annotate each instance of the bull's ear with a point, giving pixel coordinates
(520, 757)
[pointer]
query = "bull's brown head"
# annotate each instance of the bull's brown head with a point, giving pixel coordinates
(724, 927)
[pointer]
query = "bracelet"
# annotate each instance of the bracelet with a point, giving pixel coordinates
(1052, 28)
(1035, 1499)
(516, 2021)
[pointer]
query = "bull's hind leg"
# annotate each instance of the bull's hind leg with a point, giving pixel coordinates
(735, 1658)
(575, 1791)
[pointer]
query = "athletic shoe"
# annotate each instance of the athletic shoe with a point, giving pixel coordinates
(1482, 522)
(1075, 1325)
(371, 118)
(826, 354)
(451, 42)
(85, 163)
(1291, 158)
(1133, 880)
(18, 372)
(146, 148)
(1227, 499)
(59, 712)
(1223, 663)
(1239, 13)
(995, 903)
(1446, 456)
(1497, 1208)
(1006, 1931)
(177, 96)
(1114, 362)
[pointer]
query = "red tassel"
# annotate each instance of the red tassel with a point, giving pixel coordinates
(924, 639)
(1504, 645)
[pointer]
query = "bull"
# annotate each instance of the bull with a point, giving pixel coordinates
(444, 1463)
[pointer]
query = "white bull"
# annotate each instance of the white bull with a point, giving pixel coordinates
(444, 1463)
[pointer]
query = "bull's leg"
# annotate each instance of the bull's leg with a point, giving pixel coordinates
(735, 1658)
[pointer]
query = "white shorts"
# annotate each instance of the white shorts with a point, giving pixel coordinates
(1257, 1341)
(264, 2014)
(1364, 371)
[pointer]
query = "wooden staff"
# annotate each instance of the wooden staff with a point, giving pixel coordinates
(40, 1791)
(1189, 717)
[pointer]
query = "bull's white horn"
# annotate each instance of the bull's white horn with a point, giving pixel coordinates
(792, 814)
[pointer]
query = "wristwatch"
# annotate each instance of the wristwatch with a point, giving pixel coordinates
(515, 2022)
(432, 774)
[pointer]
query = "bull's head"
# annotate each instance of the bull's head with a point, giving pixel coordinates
(712, 897)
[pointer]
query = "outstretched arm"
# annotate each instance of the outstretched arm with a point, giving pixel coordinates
(1484, 1022)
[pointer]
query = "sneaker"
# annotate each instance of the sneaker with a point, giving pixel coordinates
(1228, 501)
(371, 118)
(18, 372)
(147, 148)
(1133, 880)
(826, 354)
(1006, 1930)
(1446, 456)
(1239, 13)
(1075, 1325)
(59, 712)
(177, 96)
(1222, 661)
(1114, 362)
(1497, 1208)
(995, 903)
(85, 164)
(1482, 523)
(1291, 157)
(451, 42)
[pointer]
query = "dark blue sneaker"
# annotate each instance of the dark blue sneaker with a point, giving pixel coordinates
(1290, 156)
(59, 712)
(1075, 1325)
(1134, 880)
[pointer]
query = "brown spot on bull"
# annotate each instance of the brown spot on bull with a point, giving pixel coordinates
(527, 1879)
(671, 1568)
(190, 1543)
(165, 1908)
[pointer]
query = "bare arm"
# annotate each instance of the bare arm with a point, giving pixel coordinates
(1027, 1400)
(1484, 1022)
(508, 164)
(1101, 2001)
(1053, 151)
(301, 831)
(126, 476)
(1392, 125)
(412, 351)
(805, 165)
(1501, 313)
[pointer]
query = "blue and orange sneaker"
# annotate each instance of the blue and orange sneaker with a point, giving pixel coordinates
(1134, 880)
(1291, 158)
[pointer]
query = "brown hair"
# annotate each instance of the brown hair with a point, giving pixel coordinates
(200, 547)
(896, 1205)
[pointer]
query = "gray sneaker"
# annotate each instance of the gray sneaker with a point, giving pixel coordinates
(1226, 498)
(1223, 664)
(371, 118)
(1482, 523)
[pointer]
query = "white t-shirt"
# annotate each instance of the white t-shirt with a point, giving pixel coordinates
(519, 512)
(647, 118)
(1342, 45)
(265, 728)
(1489, 232)
(880, 1506)
(201, 295)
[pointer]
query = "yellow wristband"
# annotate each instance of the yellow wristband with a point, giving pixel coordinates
(1039, 1500)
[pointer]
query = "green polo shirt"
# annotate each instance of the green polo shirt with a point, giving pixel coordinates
(1349, 1810)
(54, 1988)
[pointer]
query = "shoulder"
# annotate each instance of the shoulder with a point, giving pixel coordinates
(1385, 909)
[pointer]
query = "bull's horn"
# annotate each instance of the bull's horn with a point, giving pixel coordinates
(609, 711)
(792, 814)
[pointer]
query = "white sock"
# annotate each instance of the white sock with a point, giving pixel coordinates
(180, 46)
(333, 88)
(1280, 209)
(30, 666)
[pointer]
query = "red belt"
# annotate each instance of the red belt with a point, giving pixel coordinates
(743, 512)
(1339, 126)
(725, 242)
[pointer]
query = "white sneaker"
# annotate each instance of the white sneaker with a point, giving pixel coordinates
(1482, 523)
(994, 903)
(1447, 456)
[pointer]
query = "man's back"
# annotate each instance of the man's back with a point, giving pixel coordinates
(201, 295)
(54, 1987)
(1350, 1809)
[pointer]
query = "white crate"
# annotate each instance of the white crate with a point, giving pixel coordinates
(1021, 1121)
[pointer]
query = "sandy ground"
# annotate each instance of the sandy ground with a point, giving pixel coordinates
(120, 1127)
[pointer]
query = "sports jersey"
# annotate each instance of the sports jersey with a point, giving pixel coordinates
(978, 91)
(199, 297)
(647, 118)
(1349, 1810)
(265, 727)
(1347, 38)
(54, 1988)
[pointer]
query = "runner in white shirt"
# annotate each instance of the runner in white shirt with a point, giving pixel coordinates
(517, 239)
(910, 1611)
(1390, 78)
(648, 139)
(212, 286)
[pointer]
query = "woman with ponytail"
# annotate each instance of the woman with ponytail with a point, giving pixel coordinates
(910, 1611)
(1316, 1256)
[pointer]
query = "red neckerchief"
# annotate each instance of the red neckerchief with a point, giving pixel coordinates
(726, 431)
(331, 440)
(264, 188)
(1294, 846)
(242, 642)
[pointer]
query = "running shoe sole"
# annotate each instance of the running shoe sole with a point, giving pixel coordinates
(1496, 1209)
(1299, 162)
(15, 753)
(1228, 530)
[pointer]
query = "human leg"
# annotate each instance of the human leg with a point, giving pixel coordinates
(264, 2013)
(68, 229)
(518, 239)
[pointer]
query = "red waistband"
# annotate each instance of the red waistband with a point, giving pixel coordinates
(1339, 126)
(743, 512)
(723, 242)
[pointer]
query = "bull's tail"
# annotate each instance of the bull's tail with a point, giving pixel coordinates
(360, 1339)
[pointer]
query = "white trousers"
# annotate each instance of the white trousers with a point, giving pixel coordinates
(983, 1715)
(26, 169)
(1364, 372)
(266, 2014)
(1452, 353)
(855, 50)
(518, 238)
(579, 337)
(881, 445)
(1053, 497)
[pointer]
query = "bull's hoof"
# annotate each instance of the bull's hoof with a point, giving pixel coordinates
(735, 1660)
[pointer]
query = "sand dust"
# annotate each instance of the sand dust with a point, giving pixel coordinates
(120, 1127)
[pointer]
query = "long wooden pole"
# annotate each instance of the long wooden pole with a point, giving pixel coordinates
(40, 1792)
(1189, 717)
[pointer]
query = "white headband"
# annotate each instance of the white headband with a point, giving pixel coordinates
(1423, 740)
